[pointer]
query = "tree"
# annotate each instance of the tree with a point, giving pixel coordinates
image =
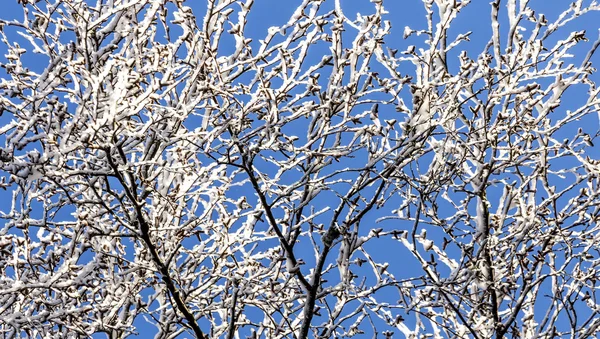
(167, 168)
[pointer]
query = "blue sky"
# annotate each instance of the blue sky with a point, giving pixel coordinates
(475, 18)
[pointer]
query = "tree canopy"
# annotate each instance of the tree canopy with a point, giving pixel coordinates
(169, 172)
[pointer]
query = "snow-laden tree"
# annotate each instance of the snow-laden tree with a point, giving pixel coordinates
(169, 172)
